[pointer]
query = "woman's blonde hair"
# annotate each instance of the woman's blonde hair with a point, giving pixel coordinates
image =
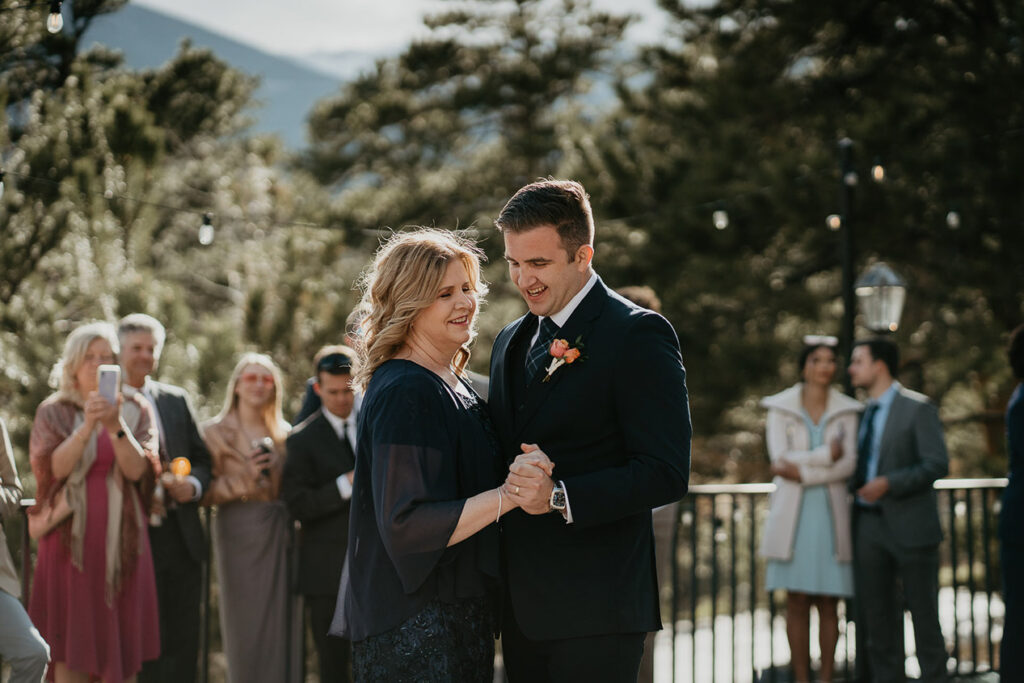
(404, 279)
(273, 418)
(62, 377)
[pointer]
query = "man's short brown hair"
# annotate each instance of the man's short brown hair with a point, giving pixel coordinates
(561, 204)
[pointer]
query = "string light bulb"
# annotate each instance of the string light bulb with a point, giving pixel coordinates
(206, 230)
(834, 222)
(878, 172)
(720, 219)
(952, 219)
(55, 22)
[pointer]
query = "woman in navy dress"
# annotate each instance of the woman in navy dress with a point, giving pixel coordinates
(422, 571)
(1011, 523)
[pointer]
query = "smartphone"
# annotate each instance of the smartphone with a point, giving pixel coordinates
(108, 379)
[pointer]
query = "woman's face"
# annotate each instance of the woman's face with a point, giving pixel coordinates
(96, 354)
(446, 323)
(255, 386)
(820, 367)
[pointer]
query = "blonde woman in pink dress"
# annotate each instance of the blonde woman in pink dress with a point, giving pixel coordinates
(94, 594)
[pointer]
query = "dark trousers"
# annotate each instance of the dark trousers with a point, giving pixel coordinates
(1011, 652)
(333, 653)
(179, 580)
(595, 659)
(880, 566)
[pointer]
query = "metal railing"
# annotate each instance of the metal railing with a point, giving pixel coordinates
(721, 625)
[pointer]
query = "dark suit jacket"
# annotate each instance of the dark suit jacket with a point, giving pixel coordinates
(309, 488)
(616, 424)
(182, 439)
(912, 455)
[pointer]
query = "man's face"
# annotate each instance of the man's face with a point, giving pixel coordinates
(542, 271)
(138, 357)
(335, 392)
(863, 368)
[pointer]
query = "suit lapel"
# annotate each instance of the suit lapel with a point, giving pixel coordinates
(896, 417)
(507, 368)
(578, 327)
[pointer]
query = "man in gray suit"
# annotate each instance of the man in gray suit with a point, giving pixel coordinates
(900, 454)
(176, 535)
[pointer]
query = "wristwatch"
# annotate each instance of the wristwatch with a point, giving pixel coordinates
(557, 500)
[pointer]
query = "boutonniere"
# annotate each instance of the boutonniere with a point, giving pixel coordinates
(562, 354)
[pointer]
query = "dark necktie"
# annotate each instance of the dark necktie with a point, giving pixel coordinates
(346, 445)
(539, 351)
(864, 446)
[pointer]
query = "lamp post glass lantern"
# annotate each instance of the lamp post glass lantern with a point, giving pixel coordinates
(881, 293)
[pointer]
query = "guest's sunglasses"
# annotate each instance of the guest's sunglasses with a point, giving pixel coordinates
(334, 364)
(253, 378)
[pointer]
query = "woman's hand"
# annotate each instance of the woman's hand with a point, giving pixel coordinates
(836, 447)
(99, 410)
(262, 460)
(785, 469)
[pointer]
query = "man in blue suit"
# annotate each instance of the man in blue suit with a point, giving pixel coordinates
(589, 389)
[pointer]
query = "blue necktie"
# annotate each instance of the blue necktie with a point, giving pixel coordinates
(538, 353)
(864, 446)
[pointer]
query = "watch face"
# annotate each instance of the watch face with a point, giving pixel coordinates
(558, 499)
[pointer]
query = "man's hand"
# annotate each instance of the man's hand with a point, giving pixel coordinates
(785, 469)
(874, 490)
(351, 476)
(529, 480)
(178, 488)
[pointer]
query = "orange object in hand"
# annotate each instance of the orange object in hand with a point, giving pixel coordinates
(181, 467)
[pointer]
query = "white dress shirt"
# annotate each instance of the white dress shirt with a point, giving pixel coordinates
(560, 319)
(345, 428)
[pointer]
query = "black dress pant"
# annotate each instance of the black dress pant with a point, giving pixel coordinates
(880, 566)
(333, 653)
(179, 579)
(596, 659)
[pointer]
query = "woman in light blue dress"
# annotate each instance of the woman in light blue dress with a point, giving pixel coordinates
(810, 432)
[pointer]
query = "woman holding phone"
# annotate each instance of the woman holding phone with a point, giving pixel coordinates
(250, 529)
(94, 593)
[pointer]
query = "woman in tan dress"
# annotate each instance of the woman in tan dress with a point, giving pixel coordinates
(251, 528)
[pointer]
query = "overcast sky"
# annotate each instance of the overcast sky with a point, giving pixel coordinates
(304, 27)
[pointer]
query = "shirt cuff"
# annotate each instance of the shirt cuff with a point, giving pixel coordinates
(198, 487)
(344, 486)
(568, 508)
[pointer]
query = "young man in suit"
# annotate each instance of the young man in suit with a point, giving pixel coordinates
(900, 454)
(612, 421)
(317, 487)
(175, 532)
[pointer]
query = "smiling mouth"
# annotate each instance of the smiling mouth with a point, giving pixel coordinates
(460, 321)
(536, 291)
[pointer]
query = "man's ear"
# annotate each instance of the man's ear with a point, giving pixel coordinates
(316, 388)
(584, 255)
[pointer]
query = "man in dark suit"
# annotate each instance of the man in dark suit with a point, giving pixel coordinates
(175, 532)
(900, 454)
(317, 487)
(593, 386)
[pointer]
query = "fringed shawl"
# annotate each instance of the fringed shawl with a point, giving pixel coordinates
(56, 419)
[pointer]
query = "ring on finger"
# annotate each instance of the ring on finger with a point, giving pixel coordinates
(517, 490)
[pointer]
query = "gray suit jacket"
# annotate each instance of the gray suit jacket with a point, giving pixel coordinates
(912, 455)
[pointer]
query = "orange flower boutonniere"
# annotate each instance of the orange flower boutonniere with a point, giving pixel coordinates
(562, 354)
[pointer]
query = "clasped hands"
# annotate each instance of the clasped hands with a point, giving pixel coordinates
(529, 481)
(787, 469)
